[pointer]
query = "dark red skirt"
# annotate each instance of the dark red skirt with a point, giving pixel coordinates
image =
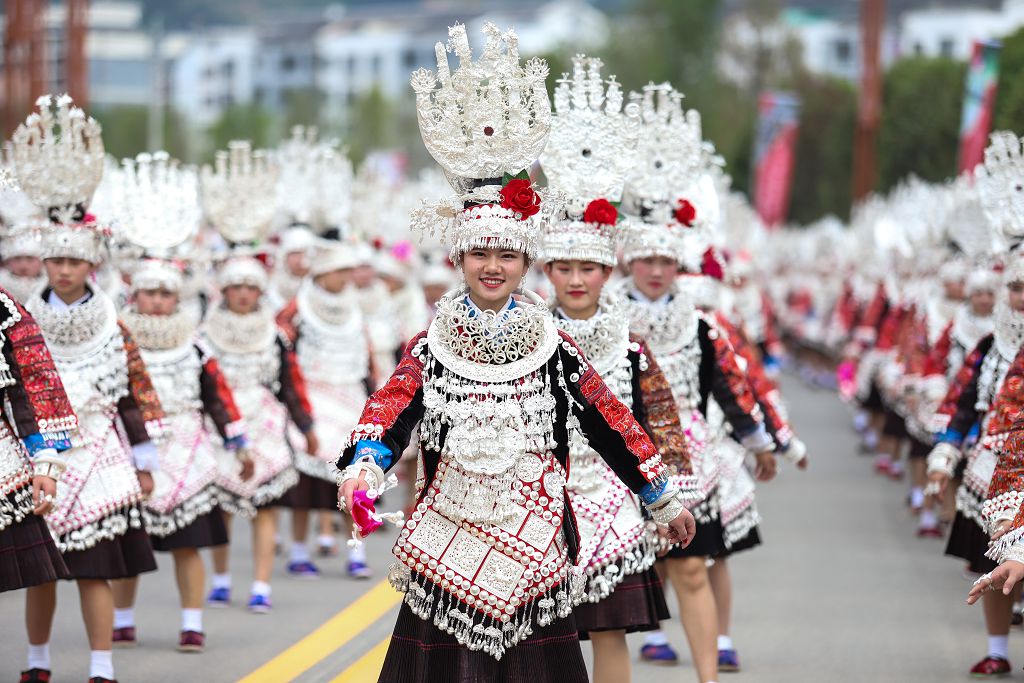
(28, 554)
(968, 541)
(312, 493)
(124, 557)
(636, 604)
(207, 531)
(421, 653)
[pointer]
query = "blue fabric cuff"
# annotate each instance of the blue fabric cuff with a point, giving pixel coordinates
(653, 490)
(236, 442)
(37, 442)
(375, 451)
(950, 436)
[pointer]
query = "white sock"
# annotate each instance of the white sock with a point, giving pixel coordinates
(357, 554)
(261, 588)
(916, 497)
(300, 552)
(871, 439)
(999, 646)
(724, 643)
(326, 541)
(192, 620)
(101, 663)
(655, 638)
(123, 618)
(222, 581)
(897, 466)
(928, 519)
(39, 656)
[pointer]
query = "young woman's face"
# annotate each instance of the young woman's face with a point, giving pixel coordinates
(577, 285)
(492, 275)
(1016, 292)
(68, 276)
(297, 263)
(242, 299)
(954, 289)
(983, 302)
(334, 281)
(24, 266)
(653, 275)
(155, 301)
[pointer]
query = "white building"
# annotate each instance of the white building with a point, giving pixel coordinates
(214, 72)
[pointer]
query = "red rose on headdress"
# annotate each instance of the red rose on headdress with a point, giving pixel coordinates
(519, 196)
(712, 265)
(601, 211)
(686, 213)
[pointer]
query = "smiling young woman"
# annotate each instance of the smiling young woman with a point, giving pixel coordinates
(485, 561)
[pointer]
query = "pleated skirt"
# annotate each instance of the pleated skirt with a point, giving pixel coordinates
(28, 554)
(312, 493)
(421, 653)
(123, 557)
(968, 541)
(206, 531)
(636, 604)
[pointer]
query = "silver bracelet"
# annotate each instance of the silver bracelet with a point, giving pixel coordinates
(47, 469)
(374, 475)
(669, 510)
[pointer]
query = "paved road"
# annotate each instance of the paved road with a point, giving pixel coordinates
(841, 591)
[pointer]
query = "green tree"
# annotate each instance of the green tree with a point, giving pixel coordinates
(125, 130)
(1009, 109)
(921, 110)
(240, 122)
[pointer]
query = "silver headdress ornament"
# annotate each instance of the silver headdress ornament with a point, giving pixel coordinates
(238, 193)
(589, 153)
(484, 123)
(315, 184)
(155, 273)
(157, 203)
(1000, 180)
(57, 155)
(660, 188)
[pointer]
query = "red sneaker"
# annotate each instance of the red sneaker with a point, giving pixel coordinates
(191, 641)
(883, 465)
(991, 667)
(929, 532)
(125, 637)
(35, 676)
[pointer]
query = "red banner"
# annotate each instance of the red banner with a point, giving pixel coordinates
(979, 103)
(775, 155)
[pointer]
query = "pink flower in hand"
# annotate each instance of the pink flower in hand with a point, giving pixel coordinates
(363, 513)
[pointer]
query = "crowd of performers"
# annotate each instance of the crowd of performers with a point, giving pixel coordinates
(259, 339)
(920, 302)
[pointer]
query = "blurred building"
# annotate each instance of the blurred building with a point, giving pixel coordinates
(827, 33)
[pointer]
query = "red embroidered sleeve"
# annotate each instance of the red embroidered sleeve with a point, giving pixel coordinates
(730, 370)
(889, 332)
(765, 390)
(218, 401)
(38, 400)
(141, 386)
(607, 423)
(661, 417)
(962, 382)
(1005, 436)
(771, 331)
(391, 412)
(937, 361)
(286, 320)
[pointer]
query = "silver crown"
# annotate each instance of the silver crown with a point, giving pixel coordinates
(155, 273)
(238, 192)
(481, 122)
(1000, 181)
(315, 184)
(58, 158)
(156, 203)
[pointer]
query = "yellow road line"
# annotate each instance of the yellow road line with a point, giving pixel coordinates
(367, 668)
(334, 633)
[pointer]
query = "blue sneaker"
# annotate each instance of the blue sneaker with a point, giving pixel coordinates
(303, 570)
(359, 570)
(259, 604)
(728, 661)
(219, 597)
(659, 654)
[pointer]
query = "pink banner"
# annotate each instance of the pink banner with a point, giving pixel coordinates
(775, 155)
(979, 103)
